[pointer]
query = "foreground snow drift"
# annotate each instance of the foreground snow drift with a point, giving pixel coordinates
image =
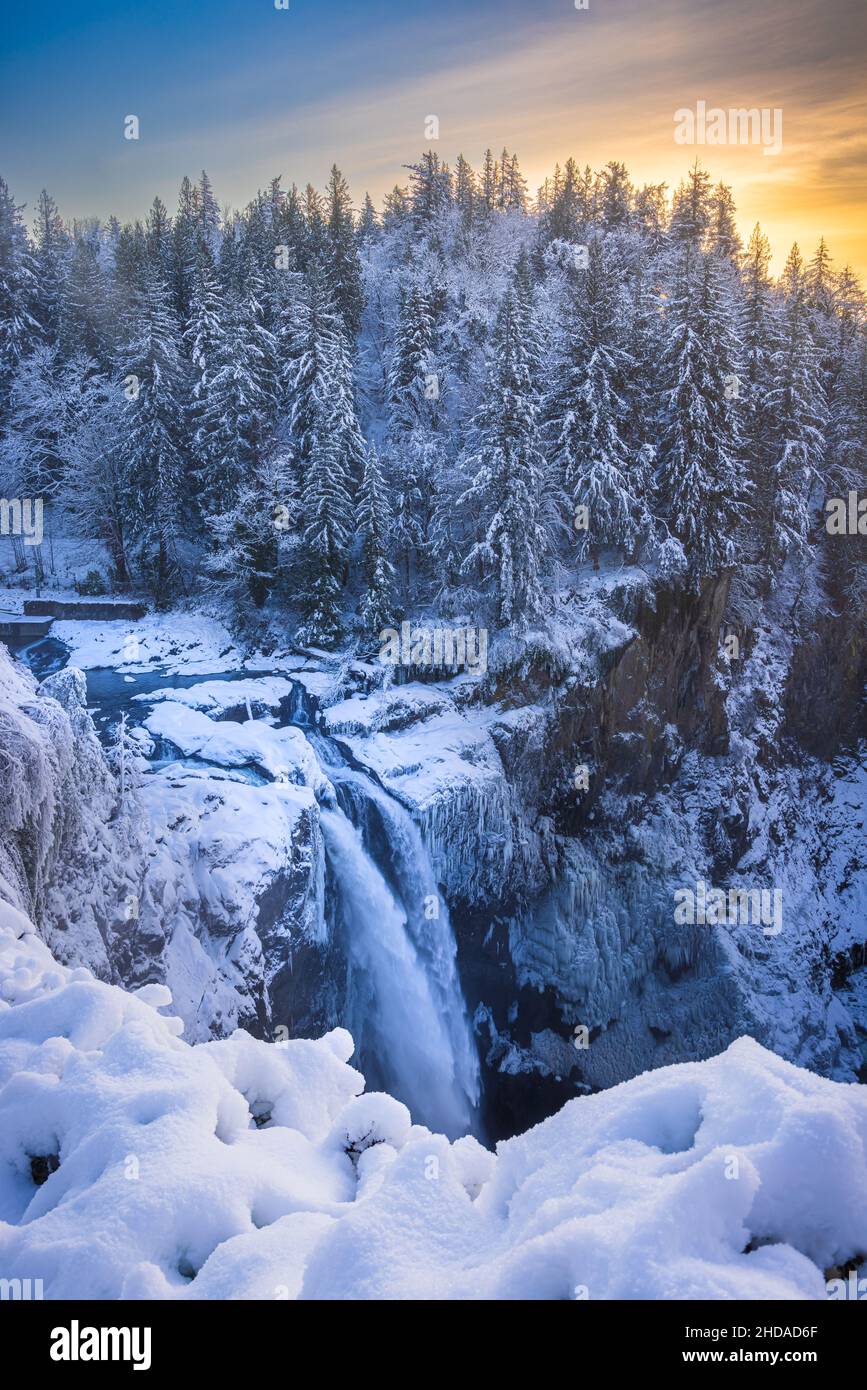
(133, 1165)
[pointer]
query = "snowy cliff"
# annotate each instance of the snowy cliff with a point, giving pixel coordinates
(559, 893)
(205, 881)
(698, 768)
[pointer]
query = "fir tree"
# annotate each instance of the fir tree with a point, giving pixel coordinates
(757, 331)
(701, 483)
(691, 213)
(587, 415)
(724, 236)
(151, 369)
(18, 326)
(245, 563)
(343, 261)
(797, 407)
(506, 460)
(368, 225)
(375, 528)
(49, 267)
(411, 401)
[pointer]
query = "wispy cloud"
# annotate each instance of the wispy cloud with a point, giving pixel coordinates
(354, 84)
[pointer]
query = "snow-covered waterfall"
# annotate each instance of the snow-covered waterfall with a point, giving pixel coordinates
(395, 1008)
(406, 1009)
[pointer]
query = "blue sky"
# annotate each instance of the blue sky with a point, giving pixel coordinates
(247, 91)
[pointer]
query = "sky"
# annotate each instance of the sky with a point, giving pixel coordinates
(248, 91)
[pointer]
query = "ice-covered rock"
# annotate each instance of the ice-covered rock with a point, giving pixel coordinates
(442, 763)
(233, 887)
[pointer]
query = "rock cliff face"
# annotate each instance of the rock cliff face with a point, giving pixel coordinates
(702, 764)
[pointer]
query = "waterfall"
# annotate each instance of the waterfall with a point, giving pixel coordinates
(405, 1007)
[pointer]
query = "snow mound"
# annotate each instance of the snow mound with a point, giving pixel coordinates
(217, 696)
(283, 753)
(133, 1165)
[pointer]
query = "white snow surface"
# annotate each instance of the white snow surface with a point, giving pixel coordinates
(216, 696)
(738, 1177)
(284, 753)
(217, 844)
(186, 644)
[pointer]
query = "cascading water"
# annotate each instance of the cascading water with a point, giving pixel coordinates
(395, 1007)
(405, 1006)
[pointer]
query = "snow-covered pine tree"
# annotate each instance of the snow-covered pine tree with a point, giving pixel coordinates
(587, 414)
(98, 489)
(212, 422)
(329, 453)
(515, 187)
(320, 366)
(692, 208)
(702, 487)
(503, 500)
(368, 224)
(315, 232)
(430, 188)
(18, 326)
(615, 204)
(651, 215)
(757, 326)
(375, 529)
(123, 759)
(725, 238)
(84, 323)
(185, 247)
(488, 180)
(49, 266)
(210, 221)
(566, 214)
(414, 468)
(411, 404)
(395, 209)
(327, 514)
(797, 407)
(151, 371)
(530, 326)
(245, 563)
(343, 259)
(466, 192)
(158, 242)
(48, 397)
